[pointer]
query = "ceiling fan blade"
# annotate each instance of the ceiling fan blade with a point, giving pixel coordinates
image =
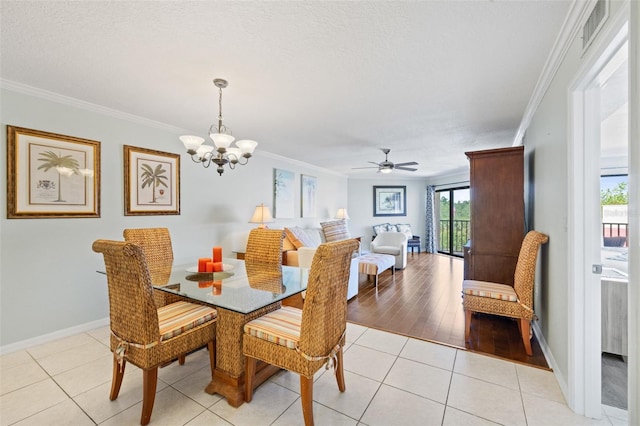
(368, 167)
(373, 162)
(409, 169)
(410, 163)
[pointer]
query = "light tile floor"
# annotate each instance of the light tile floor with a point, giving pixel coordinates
(391, 380)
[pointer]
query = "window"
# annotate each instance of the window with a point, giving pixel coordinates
(614, 200)
(454, 219)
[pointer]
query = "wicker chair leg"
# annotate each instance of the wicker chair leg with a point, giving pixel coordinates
(306, 393)
(340, 371)
(149, 384)
(211, 348)
(116, 380)
(467, 324)
(526, 336)
(249, 371)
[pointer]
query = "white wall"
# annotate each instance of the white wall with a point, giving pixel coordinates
(48, 279)
(361, 206)
(546, 151)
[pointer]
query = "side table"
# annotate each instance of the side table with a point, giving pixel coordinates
(414, 242)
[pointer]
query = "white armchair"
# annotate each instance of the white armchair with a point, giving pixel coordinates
(393, 243)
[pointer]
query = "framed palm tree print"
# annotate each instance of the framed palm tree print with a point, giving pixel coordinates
(151, 182)
(51, 175)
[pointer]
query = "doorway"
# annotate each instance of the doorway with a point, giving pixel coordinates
(454, 220)
(614, 195)
(596, 150)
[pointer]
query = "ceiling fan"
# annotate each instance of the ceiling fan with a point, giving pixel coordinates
(387, 166)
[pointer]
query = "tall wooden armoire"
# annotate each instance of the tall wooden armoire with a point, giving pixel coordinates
(497, 214)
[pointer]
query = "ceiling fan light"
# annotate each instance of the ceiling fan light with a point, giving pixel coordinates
(385, 170)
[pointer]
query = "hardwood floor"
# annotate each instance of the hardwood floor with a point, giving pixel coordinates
(424, 301)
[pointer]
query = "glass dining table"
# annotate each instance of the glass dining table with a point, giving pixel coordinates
(240, 294)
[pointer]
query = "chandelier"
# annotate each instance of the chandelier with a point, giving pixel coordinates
(222, 153)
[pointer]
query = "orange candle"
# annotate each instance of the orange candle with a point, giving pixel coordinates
(217, 254)
(216, 288)
(210, 267)
(217, 267)
(205, 284)
(202, 264)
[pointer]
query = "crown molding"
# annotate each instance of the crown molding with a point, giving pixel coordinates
(578, 12)
(87, 106)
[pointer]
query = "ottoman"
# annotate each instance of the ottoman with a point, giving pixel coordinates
(375, 263)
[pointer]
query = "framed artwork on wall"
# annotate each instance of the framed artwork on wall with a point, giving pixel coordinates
(308, 186)
(151, 182)
(283, 194)
(51, 175)
(389, 200)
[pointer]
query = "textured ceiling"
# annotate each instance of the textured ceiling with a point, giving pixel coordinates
(327, 83)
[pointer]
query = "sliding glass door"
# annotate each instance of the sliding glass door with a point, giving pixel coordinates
(454, 218)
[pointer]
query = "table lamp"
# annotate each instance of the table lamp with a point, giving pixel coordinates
(261, 215)
(342, 214)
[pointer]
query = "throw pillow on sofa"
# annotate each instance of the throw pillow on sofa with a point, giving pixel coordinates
(299, 238)
(406, 230)
(380, 228)
(336, 230)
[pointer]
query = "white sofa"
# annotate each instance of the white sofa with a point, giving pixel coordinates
(290, 253)
(393, 243)
(300, 244)
(305, 257)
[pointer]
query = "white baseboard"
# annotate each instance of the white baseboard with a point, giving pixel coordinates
(562, 381)
(34, 341)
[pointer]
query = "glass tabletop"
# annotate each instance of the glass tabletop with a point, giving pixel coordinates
(239, 287)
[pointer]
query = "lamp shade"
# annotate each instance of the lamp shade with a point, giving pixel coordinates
(221, 140)
(191, 143)
(247, 146)
(342, 214)
(261, 215)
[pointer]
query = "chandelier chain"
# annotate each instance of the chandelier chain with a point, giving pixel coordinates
(220, 110)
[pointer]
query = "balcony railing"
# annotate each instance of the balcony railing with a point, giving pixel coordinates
(615, 234)
(461, 234)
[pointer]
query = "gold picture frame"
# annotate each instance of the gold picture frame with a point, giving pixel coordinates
(51, 175)
(151, 182)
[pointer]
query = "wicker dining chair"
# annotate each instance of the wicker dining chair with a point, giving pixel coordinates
(303, 340)
(504, 300)
(156, 245)
(141, 333)
(264, 246)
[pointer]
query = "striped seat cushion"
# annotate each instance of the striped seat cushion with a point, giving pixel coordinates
(281, 326)
(487, 289)
(176, 318)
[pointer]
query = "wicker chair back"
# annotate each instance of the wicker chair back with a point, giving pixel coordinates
(524, 277)
(264, 246)
(324, 315)
(132, 311)
(156, 245)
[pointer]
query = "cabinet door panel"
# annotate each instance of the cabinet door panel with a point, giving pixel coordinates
(493, 268)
